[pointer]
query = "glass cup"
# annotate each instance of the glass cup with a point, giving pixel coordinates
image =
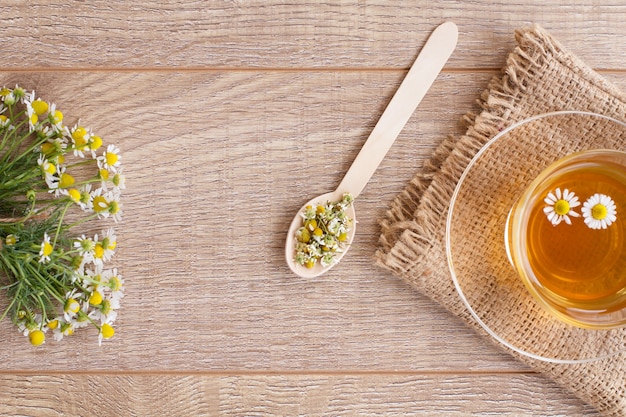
(563, 300)
(566, 235)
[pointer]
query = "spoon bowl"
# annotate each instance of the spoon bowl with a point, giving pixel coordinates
(413, 88)
(296, 223)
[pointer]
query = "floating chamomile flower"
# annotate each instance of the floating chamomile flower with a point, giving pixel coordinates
(599, 211)
(559, 206)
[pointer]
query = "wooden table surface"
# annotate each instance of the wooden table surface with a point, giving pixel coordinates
(230, 115)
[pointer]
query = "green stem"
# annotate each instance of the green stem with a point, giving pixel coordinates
(8, 308)
(58, 232)
(83, 220)
(47, 282)
(83, 162)
(29, 150)
(44, 312)
(16, 143)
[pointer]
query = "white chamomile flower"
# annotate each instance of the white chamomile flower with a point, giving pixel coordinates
(32, 116)
(4, 121)
(48, 169)
(56, 118)
(115, 283)
(80, 137)
(110, 159)
(559, 206)
(45, 250)
(106, 332)
(27, 98)
(119, 181)
(64, 328)
(109, 243)
(85, 247)
(599, 211)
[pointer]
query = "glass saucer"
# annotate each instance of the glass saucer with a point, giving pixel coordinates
(483, 276)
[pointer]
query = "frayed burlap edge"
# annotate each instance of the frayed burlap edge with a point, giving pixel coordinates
(412, 232)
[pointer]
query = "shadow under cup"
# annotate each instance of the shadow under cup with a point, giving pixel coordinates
(566, 238)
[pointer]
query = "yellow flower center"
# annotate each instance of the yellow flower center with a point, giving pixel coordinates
(100, 204)
(57, 117)
(66, 180)
(47, 249)
(71, 305)
(95, 299)
(599, 211)
(40, 106)
(561, 207)
(98, 251)
(310, 224)
(49, 168)
(53, 324)
(74, 195)
(104, 174)
(36, 337)
(11, 240)
(96, 142)
(111, 158)
(34, 119)
(107, 331)
(79, 137)
(47, 148)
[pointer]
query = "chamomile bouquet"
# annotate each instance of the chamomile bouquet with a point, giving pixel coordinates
(56, 182)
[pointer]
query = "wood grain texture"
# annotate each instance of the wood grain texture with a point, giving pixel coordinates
(284, 395)
(288, 34)
(209, 197)
(231, 114)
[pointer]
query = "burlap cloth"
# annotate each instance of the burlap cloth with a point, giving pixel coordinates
(540, 76)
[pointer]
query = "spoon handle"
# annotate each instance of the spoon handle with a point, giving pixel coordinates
(416, 83)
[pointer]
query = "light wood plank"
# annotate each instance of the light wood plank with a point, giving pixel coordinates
(208, 288)
(227, 105)
(285, 395)
(288, 34)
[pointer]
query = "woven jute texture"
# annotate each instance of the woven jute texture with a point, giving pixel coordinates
(540, 76)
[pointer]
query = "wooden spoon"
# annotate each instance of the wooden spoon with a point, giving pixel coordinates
(416, 83)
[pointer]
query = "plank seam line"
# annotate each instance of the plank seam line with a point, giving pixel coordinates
(217, 69)
(243, 373)
(234, 69)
